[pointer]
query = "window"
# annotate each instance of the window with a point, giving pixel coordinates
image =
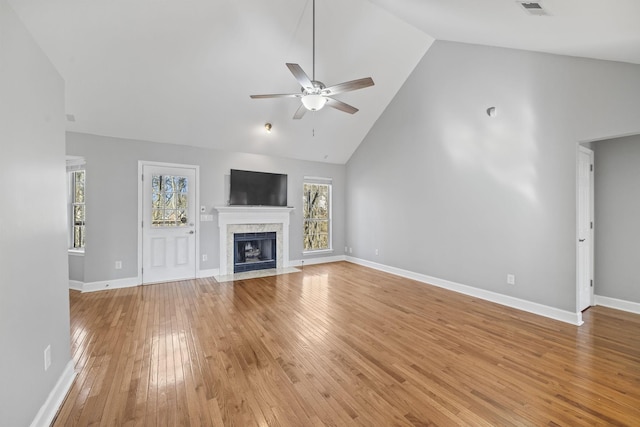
(77, 208)
(317, 214)
(169, 200)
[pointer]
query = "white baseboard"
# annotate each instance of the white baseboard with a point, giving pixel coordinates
(619, 304)
(48, 411)
(318, 260)
(76, 285)
(127, 282)
(520, 304)
(208, 273)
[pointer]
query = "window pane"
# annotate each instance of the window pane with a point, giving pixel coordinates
(156, 180)
(169, 200)
(156, 216)
(168, 184)
(181, 201)
(316, 216)
(78, 214)
(77, 209)
(181, 185)
(78, 193)
(78, 236)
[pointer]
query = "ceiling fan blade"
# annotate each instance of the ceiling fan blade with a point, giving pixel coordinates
(300, 112)
(339, 105)
(300, 76)
(277, 95)
(349, 86)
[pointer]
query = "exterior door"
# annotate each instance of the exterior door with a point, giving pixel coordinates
(585, 228)
(168, 223)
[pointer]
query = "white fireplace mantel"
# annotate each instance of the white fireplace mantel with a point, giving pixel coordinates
(242, 219)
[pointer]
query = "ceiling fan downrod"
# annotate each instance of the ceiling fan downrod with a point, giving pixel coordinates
(314, 94)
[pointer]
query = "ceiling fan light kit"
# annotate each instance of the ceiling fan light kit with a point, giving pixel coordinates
(314, 94)
(314, 102)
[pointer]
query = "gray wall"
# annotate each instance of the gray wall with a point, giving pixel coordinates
(617, 218)
(34, 296)
(112, 197)
(76, 267)
(441, 189)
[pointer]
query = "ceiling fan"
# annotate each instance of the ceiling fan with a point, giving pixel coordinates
(314, 94)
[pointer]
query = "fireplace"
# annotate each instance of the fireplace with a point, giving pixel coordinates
(234, 220)
(254, 251)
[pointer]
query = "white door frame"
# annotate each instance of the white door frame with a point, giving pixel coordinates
(141, 164)
(582, 149)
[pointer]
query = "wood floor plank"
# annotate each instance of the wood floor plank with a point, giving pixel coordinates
(341, 345)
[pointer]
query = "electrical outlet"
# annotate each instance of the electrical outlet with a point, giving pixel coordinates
(376, 252)
(204, 257)
(118, 265)
(350, 250)
(511, 279)
(47, 357)
(346, 249)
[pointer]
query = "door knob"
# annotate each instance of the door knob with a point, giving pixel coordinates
(581, 240)
(191, 232)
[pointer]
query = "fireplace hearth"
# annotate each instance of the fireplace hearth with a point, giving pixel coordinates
(254, 251)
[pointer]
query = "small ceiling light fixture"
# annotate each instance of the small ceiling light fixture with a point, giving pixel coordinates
(491, 112)
(267, 127)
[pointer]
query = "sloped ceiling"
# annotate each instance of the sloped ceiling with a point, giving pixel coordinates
(182, 71)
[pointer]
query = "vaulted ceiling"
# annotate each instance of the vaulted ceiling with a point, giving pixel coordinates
(182, 71)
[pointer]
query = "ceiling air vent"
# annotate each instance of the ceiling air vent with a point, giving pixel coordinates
(533, 8)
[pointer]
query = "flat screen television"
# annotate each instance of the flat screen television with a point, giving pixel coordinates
(249, 188)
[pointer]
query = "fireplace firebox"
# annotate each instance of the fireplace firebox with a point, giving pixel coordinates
(254, 251)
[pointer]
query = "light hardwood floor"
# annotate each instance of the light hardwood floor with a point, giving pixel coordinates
(338, 345)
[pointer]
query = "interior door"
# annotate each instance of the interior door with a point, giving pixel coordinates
(168, 223)
(585, 228)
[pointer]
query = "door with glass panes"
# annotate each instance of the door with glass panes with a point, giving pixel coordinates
(169, 223)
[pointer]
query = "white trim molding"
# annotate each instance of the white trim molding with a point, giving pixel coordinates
(317, 260)
(49, 409)
(208, 273)
(517, 303)
(103, 285)
(76, 285)
(618, 304)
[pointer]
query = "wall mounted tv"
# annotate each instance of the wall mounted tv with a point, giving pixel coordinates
(257, 188)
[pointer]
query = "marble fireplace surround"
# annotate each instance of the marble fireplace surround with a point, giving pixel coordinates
(252, 219)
